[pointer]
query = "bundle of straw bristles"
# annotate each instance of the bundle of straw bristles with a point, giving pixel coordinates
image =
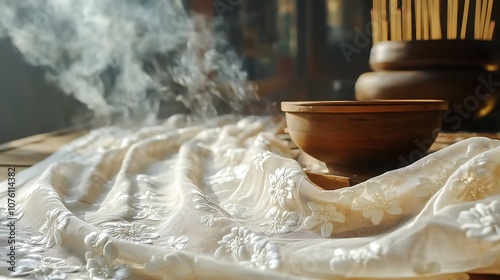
(424, 20)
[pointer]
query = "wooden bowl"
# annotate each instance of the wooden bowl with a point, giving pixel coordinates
(363, 139)
(431, 55)
(470, 94)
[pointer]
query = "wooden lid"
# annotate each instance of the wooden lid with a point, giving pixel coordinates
(434, 54)
(377, 106)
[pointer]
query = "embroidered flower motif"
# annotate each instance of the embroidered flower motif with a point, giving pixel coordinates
(101, 259)
(436, 174)
(482, 221)
(349, 194)
(474, 181)
(227, 175)
(100, 268)
(38, 267)
(209, 220)
(101, 245)
(250, 249)
(121, 198)
(261, 158)
(237, 210)
(428, 186)
(324, 215)
(266, 255)
(134, 232)
(282, 186)
(203, 202)
(379, 199)
(172, 266)
(57, 220)
(279, 221)
(148, 195)
(345, 259)
(179, 243)
(146, 211)
(235, 242)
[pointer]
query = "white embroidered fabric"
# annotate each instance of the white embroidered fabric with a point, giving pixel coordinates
(226, 199)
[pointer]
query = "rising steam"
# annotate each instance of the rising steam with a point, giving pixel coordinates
(121, 57)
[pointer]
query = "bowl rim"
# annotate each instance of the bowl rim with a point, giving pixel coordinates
(374, 106)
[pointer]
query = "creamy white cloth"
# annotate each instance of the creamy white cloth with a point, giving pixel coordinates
(225, 199)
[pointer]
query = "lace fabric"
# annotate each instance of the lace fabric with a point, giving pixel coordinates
(227, 199)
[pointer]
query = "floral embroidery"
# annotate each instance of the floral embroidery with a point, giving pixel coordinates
(227, 175)
(100, 244)
(174, 265)
(148, 195)
(119, 197)
(134, 232)
(99, 267)
(203, 202)
(433, 181)
(379, 199)
(345, 259)
(349, 194)
(282, 186)
(57, 220)
(39, 267)
(266, 255)
(482, 221)
(279, 221)
(323, 215)
(428, 186)
(237, 210)
(261, 158)
(101, 258)
(235, 242)
(474, 181)
(146, 211)
(209, 220)
(179, 243)
(250, 249)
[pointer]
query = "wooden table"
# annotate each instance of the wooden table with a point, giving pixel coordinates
(26, 152)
